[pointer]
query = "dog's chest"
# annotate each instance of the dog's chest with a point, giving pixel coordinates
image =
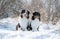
(35, 23)
(23, 21)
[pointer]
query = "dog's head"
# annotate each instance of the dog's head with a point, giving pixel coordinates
(36, 15)
(25, 13)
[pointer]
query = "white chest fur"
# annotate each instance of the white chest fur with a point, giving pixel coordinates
(23, 22)
(35, 24)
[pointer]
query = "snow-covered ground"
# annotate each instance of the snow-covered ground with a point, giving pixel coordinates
(8, 25)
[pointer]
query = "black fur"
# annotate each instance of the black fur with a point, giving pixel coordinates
(36, 14)
(33, 18)
(27, 12)
(39, 19)
(38, 28)
(19, 25)
(23, 11)
(21, 16)
(29, 28)
(27, 17)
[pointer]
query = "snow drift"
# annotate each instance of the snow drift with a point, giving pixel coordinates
(46, 31)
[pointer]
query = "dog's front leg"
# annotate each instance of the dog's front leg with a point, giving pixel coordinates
(17, 26)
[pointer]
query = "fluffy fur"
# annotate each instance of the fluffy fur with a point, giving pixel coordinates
(23, 23)
(23, 20)
(35, 23)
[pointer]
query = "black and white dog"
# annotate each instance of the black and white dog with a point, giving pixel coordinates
(23, 20)
(35, 22)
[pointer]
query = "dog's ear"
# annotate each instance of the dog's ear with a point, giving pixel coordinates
(33, 18)
(28, 12)
(39, 19)
(23, 11)
(21, 16)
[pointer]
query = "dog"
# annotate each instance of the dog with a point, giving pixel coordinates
(35, 22)
(23, 20)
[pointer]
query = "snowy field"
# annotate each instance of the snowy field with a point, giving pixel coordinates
(8, 25)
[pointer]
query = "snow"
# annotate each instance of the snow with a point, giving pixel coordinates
(8, 25)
